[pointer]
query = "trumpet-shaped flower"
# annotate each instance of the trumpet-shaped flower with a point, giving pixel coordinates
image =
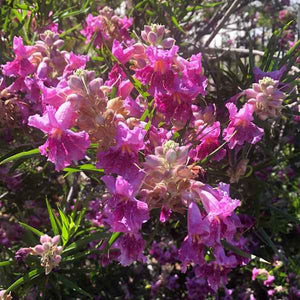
(21, 65)
(123, 211)
(63, 145)
(120, 159)
(241, 129)
(192, 248)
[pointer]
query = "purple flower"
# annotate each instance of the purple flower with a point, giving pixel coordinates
(21, 65)
(22, 253)
(217, 201)
(241, 123)
(124, 212)
(122, 55)
(276, 75)
(63, 145)
(74, 62)
(197, 288)
(160, 62)
(120, 159)
(131, 246)
(209, 142)
(192, 248)
(270, 279)
(214, 273)
(194, 73)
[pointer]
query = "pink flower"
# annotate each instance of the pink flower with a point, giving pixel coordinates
(106, 27)
(216, 201)
(256, 272)
(160, 62)
(74, 62)
(48, 250)
(194, 73)
(269, 280)
(122, 55)
(192, 248)
(124, 213)
(131, 246)
(241, 123)
(21, 65)
(120, 159)
(63, 145)
(209, 138)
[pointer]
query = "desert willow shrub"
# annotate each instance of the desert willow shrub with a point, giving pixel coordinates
(153, 139)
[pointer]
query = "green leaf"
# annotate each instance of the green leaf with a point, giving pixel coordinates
(150, 13)
(5, 263)
(52, 219)
(144, 115)
(175, 22)
(74, 13)
(85, 167)
(270, 243)
(84, 241)
(65, 234)
(241, 252)
(113, 238)
(148, 125)
(31, 275)
(23, 154)
(32, 229)
(68, 31)
(72, 285)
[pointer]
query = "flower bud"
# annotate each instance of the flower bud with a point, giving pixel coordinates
(147, 29)
(55, 240)
(76, 100)
(57, 259)
(58, 43)
(45, 238)
(160, 30)
(75, 83)
(144, 36)
(39, 249)
(168, 43)
(152, 37)
(95, 85)
(46, 246)
(152, 161)
(139, 49)
(171, 156)
(59, 249)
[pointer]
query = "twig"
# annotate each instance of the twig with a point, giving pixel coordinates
(222, 22)
(236, 50)
(242, 51)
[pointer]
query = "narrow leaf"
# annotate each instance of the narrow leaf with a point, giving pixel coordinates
(32, 229)
(72, 285)
(23, 154)
(113, 238)
(5, 263)
(31, 275)
(84, 241)
(52, 219)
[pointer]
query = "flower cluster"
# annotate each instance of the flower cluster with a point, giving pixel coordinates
(105, 27)
(48, 250)
(151, 144)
